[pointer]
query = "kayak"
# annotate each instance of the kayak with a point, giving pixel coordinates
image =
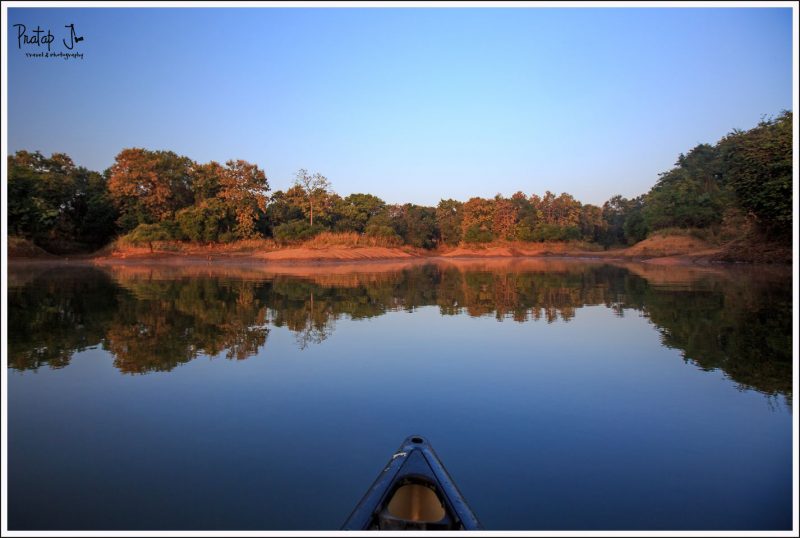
(413, 492)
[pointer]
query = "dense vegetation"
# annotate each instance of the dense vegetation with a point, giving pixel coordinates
(154, 319)
(743, 182)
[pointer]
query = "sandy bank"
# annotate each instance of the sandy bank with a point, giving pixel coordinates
(658, 250)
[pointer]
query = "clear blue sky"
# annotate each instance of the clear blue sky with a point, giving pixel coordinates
(408, 104)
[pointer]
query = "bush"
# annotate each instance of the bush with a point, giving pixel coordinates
(476, 234)
(147, 234)
(295, 231)
(383, 232)
(205, 223)
(523, 232)
(554, 232)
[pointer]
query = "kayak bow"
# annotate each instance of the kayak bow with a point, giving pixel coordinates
(414, 491)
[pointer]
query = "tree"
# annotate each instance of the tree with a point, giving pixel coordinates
(314, 188)
(476, 224)
(624, 220)
(282, 209)
(244, 189)
(614, 212)
(566, 211)
(757, 164)
(592, 225)
(635, 227)
(148, 233)
(149, 186)
(37, 189)
(420, 226)
(206, 181)
(504, 221)
(528, 217)
(354, 211)
(449, 215)
(689, 195)
(208, 222)
(61, 207)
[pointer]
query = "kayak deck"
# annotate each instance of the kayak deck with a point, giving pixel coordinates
(413, 492)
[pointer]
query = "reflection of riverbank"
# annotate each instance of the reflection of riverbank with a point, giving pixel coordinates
(353, 273)
(155, 316)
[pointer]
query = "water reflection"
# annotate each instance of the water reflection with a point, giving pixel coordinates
(154, 318)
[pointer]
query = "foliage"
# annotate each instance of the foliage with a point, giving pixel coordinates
(243, 189)
(448, 218)
(386, 233)
(757, 165)
(477, 234)
(148, 186)
(592, 226)
(282, 209)
(313, 189)
(354, 211)
(60, 207)
(741, 184)
(690, 195)
(477, 221)
(419, 226)
(554, 232)
(148, 234)
(295, 231)
(206, 222)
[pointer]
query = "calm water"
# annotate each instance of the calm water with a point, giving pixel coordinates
(559, 395)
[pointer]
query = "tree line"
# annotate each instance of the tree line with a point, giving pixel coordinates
(742, 181)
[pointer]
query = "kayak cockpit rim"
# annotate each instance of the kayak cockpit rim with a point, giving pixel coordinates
(413, 492)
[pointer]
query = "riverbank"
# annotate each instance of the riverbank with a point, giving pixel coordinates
(666, 250)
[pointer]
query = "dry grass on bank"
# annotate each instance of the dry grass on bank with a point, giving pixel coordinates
(350, 239)
(658, 245)
(519, 249)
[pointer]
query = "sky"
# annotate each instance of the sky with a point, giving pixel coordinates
(412, 105)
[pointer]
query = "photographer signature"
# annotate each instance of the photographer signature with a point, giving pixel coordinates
(39, 38)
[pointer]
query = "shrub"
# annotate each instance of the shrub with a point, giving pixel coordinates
(524, 232)
(295, 231)
(554, 232)
(476, 234)
(205, 223)
(147, 234)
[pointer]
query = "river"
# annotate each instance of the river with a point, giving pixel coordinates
(559, 394)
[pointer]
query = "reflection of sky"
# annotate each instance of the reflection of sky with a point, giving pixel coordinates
(413, 104)
(585, 424)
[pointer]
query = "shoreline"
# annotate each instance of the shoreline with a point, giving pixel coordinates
(663, 250)
(334, 257)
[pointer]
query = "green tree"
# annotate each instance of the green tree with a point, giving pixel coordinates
(420, 226)
(592, 225)
(61, 207)
(208, 222)
(314, 188)
(282, 209)
(528, 217)
(449, 214)
(148, 234)
(689, 195)
(355, 210)
(757, 164)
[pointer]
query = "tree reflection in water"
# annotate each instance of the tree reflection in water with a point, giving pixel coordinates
(153, 318)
